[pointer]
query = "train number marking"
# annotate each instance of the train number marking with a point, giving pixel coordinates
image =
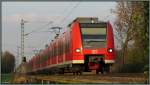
(94, 51)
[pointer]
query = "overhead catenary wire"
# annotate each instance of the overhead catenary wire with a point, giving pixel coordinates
(46, 40)
(72, 10)
(39, 28)
(63, 12)
(61, 22)
(68, 14)
(22, 52)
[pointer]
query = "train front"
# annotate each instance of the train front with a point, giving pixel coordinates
(97, 44)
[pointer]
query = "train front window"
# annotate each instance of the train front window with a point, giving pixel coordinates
(93, 35)
(93, 31)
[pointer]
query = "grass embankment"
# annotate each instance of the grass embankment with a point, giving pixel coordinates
(6, 78)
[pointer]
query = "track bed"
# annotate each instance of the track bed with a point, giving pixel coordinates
(123, 78)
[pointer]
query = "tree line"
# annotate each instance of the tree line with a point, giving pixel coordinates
(7, 62)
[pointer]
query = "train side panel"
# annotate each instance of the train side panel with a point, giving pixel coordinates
(110, 45)
(77, 52)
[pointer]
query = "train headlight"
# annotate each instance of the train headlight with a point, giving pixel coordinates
(78, 50)
(110, 50)
(92, 21)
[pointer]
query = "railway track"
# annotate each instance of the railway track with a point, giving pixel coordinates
(123, 78)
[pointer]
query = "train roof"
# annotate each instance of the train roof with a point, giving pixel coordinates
(86, 20)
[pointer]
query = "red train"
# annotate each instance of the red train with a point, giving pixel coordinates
(78, 49)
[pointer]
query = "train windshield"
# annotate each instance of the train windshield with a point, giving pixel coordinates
(93, 35)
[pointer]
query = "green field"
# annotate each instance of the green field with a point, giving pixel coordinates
(6, 78)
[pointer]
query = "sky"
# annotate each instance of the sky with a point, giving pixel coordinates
(42, 16)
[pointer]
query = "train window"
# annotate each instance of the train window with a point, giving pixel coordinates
(93, 31)
(93, 35)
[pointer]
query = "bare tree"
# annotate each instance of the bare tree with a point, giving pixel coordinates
(130, 26)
